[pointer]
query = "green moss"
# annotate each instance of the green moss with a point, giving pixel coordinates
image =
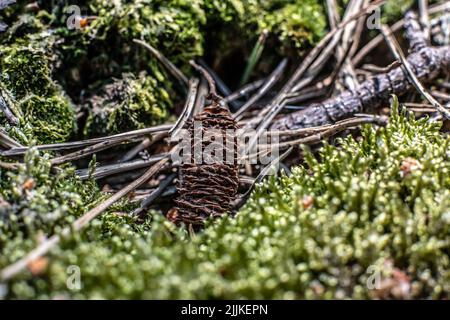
(171, 26)
(301, 23)
(234, 26)
(395, 9)
(127, 104)
(367, 209)
(51, 119)
(25, 71)
(46, 113)
(39, 202)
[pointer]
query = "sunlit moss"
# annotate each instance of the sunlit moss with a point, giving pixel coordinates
(25, 71)
(301, 23)
(297, 22)
(52, 119)
(38, 202)
(171, 26)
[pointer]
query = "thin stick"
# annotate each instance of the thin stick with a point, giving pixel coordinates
(207, 76)
(424, 18)
(333, 15)
(316, 135)
(187, 110)
(396, 51)
(7, 141)
(347, 74)
(9, 115)
(377, 70)
(333, 130)
(252, 86)
(9, 165)
(84, 152)
(271, 80)
(202, 95)
(77, 144)
(47, 245)
(166, 62)
(357, 37)
(145, 204)
(441, 95)
(144, 144)
(107, 170)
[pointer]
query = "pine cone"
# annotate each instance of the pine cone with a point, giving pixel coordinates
(208, 189)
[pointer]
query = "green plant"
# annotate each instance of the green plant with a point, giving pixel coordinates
(380, 200)
(126, 104)
(46, 113)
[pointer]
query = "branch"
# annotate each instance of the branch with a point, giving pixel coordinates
(395, 48)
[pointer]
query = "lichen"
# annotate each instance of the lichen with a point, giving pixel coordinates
(314, 234)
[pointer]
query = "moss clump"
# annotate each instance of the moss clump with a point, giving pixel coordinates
(127, 104)
(50, 119)
(173, 27)
(300, 22)
(234, 26)
(365, 207)
(26, 71)
(46, 114)
(37, 202)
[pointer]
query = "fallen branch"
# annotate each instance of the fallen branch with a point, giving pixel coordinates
(419, 44)
(427, 63)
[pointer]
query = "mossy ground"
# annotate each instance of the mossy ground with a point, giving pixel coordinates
(311, 235)
(365, 209)
(42, 57)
